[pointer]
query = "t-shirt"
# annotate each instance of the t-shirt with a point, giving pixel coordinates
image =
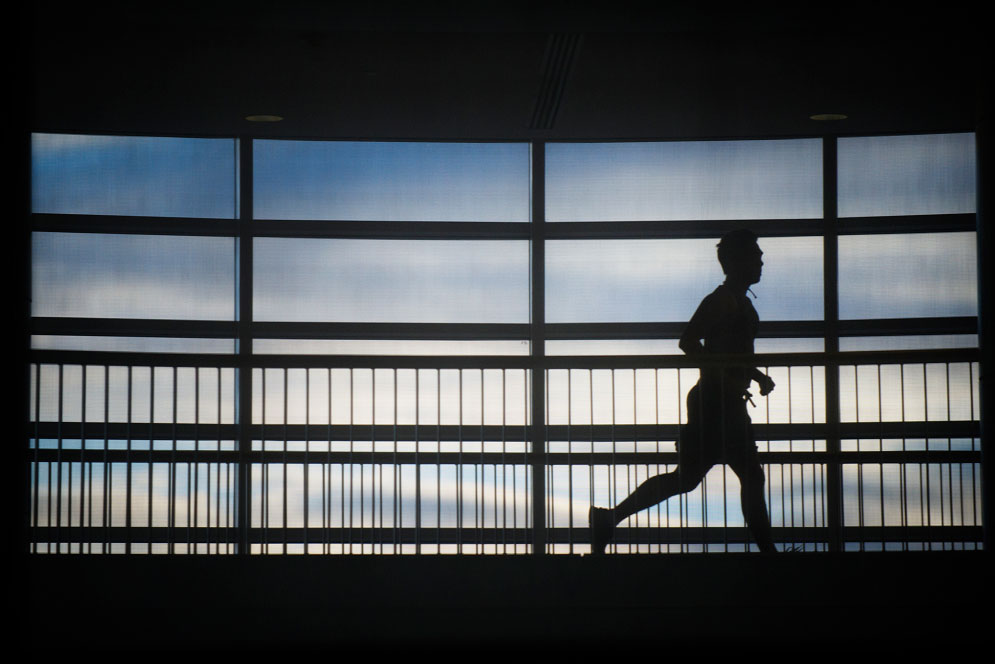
(726, 322)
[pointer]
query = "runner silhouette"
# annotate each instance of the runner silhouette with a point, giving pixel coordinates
(718, 428)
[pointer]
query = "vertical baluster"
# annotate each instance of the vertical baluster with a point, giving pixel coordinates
(438, 460)
(307, 461)
(682, 503)
(791, 466)
(352, 419)
(590, 469)
(459, 468)
(195, 492)
(483, 470)
(929, 497)
(417, 437)
(950, 479)
(881, 465)
(172, 472)
(58, 468)
(151, 441)
(504, 463)
(397, 501)
(284, 522)
(326, 479)
(82, 464)
(36, 464)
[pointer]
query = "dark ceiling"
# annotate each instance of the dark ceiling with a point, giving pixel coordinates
(500, 70)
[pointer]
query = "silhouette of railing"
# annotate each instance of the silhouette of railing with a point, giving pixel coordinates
(133, 453)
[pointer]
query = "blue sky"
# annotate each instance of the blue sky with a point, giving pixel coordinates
(193, 278)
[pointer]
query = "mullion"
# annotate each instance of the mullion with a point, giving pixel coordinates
(830, 289)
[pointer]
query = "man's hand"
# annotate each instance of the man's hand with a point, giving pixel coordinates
(766, 384)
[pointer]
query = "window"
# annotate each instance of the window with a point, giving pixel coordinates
(269, 346)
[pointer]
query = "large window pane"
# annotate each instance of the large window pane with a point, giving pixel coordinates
(415, 281)
(88, 275)
(684, 180)
(367, 181)
(133, 175)
(908, 275)
(906, 175)
(602, 281)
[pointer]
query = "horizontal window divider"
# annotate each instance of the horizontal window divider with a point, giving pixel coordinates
(862, 357)
(916, 429)
(116, 359)
(737, 535)
(579, 230)
(223, 534)
(774, 431)
(676, 534)
(412, 230)
(890, 457)
(275, 536)
(124, 225)
(672, 330)
(761, 359)
(281, 457)
(495, 433)
(132, 327)
(340, 457)
(923, 223)
(906, 326)
(402, 331)
(220, 329)
(681, 361)
(912, 534)
(168, 431)
(391, 361)
(501, 361)
(776, 458)
(139, 457)
(197, 226)
(122, 431)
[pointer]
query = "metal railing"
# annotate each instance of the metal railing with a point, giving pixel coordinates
(149, 454)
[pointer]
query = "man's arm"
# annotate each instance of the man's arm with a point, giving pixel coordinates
(704, 319)
(763, 380)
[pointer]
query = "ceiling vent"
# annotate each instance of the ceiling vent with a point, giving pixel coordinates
(561, 52)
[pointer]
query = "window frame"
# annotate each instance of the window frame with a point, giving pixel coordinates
(244, 330)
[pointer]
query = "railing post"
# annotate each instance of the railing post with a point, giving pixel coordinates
(537, 349)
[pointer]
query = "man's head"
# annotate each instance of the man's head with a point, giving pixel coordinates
(740, 256)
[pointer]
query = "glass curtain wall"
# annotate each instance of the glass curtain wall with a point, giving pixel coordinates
(335, 347)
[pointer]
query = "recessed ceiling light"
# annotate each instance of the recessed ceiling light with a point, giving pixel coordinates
(827, 117)
(263, 118)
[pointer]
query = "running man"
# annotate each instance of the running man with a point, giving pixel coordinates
(718, 428)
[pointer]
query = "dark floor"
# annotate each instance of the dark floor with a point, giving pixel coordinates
(902, 601)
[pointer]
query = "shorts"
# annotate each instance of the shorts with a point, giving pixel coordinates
(718, 430)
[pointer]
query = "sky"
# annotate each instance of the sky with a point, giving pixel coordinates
(487, 281)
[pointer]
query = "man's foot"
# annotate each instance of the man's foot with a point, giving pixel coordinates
(601, 523)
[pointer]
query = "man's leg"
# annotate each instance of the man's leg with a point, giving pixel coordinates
(654, 490)
(751, 480)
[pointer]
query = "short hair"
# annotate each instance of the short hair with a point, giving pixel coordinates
(734, 245)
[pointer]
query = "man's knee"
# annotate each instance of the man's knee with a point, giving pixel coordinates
(752, 476)
(688, 479)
